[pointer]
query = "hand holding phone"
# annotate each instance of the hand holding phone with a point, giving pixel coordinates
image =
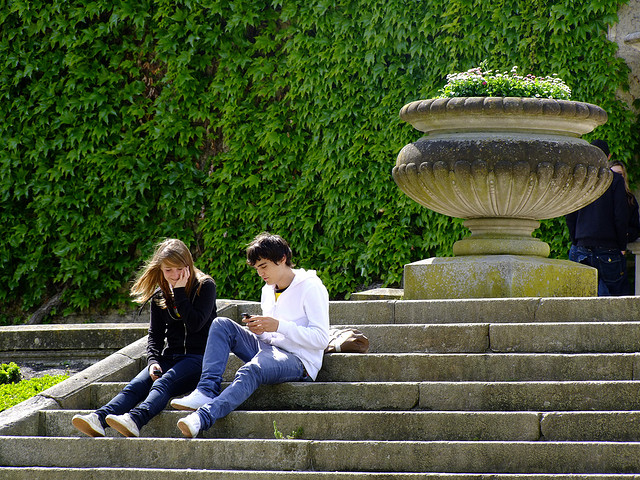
(260, 325)
(155, 371)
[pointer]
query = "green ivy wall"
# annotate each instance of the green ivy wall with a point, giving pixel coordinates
(125, 121)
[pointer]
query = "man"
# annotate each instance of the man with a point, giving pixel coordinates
(285, 344)
(598, 234)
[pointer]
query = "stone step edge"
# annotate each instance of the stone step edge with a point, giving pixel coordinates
(444, 396)
(389, 456)
(387, 425)
(111, 473)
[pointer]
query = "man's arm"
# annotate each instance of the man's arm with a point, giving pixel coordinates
(315, 335)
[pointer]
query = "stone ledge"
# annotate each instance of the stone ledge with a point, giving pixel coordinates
(378, 294)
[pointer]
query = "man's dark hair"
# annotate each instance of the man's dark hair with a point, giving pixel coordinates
(602, 145)
(268, 247)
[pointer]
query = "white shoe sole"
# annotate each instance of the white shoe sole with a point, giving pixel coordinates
(178, 406)
(120, 428)
(184, 428)
(86, 428)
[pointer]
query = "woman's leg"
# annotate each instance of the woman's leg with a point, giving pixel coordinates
(269, 366)
(129, 397)
(180, 376)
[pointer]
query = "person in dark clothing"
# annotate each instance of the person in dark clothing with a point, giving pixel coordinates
(598, 235)
(183, 305)
(633, 229)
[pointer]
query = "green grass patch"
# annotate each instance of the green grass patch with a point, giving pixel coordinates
(296, 434)
(13, 393)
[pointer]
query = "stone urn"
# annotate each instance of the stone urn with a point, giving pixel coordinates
(502, 164)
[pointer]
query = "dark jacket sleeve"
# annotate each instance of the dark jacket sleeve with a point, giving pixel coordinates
(196, 315)
(571, 219)
(621, 211)
(157, 333)
(634, 221)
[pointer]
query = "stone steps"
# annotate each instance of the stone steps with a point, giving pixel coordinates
(486, 367)
(572, 337)
(471, 389)
(325, 456)
(602, 426)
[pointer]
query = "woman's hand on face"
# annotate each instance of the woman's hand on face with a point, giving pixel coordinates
(155, 371)
(184, 278)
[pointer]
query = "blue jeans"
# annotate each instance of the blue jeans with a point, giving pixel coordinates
(265, 364)
(181, 374)
(611, 266)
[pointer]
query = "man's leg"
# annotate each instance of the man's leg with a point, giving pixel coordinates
(269, 366)
(225, 336)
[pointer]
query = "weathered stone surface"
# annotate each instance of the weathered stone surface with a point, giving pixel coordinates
(378, 294)
(494, 367)
(344, 425)
(485, 310)
(533, 396)
(124, 364)
(70, 337)
(502, 114)
(565, 337)
(598, 309)
(512, 457)
(361, 312)
(410, 406)
(626, 33)
(307, 396)
(591, 426)
(426, 338)
(376, 456)
(497, 276)
(37, 473)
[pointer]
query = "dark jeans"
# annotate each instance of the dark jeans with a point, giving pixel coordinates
(181, 375)
(611, 266)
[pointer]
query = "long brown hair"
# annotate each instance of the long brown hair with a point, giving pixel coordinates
(617, 163)
(170, 252)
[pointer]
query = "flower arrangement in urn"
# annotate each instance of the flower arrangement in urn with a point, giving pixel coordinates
(480, 82)
(501, 151)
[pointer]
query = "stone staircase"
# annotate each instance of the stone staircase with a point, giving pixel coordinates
(535, 388)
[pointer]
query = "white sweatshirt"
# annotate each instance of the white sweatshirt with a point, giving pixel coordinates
(302, 311)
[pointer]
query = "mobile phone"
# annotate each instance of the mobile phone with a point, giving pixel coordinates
(245, 315)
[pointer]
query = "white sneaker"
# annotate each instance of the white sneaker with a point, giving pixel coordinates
(190, 425)
(192, 402)
(123, 424)
(88, 424)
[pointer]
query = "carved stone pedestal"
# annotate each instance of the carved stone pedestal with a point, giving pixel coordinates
(497, 276)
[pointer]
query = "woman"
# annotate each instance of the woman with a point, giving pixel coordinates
(183, 305)
(634, 220)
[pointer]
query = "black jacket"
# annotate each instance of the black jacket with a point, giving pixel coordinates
(634, 219)
(185, 328)
(604, 222)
